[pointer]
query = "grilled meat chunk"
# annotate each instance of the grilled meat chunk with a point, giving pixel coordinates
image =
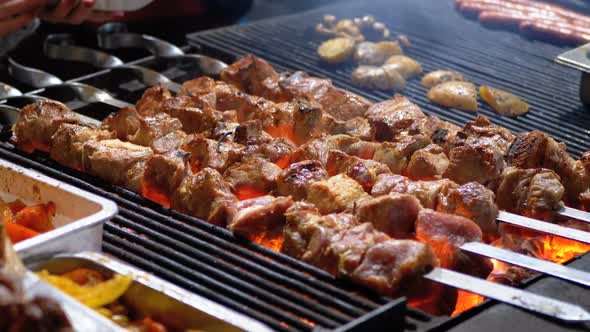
(205, 152)
(194, 120)
(428, 193)
(352, 146)
(275, 150)
(159, 132)
(397, 155)
(474, 164)
(385, 77)
(369, 53)
(364, 171)
(406, 66)
(534, 192)
(341, 104)
(474, 201)
(481, 132)
(394, 215)
(316, 149)
(308, 235)
(67, 144)
(259, 219)
(254, 76)
(204, 195)
(36, 124)
(163, 174)
(150, 102)
(251, 178)
(537, 150)
(336, 194)
(116, 162)
(445, 234)
(428, 163)
(395, 267)
(295, 180)
(393, 117)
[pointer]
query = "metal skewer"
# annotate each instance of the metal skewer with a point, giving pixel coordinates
(539, 265)
(40, 79)
(510, 295)
(115, 35)
(8, 91)
(569, 212)
(61, 47)
(544, 227)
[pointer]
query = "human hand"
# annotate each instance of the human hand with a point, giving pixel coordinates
(77, 12)
(15, 14)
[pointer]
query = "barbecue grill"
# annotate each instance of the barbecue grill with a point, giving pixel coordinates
(283, 293)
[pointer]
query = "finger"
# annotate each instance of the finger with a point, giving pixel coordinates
(60, 12)
(80, 13)
(102, 16)
(13, 24)
(11, 8)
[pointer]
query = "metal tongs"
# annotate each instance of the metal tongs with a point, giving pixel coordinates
(115, 35)
(43, 80)
(8, 91)
(62, 47)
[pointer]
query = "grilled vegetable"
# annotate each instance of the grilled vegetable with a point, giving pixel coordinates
(460, 95)
(93, 296)
(383, 78)
(437, 77)
(336, 50)
(368, 53)
(503, 102)
(406, 66)
(36, 217)
(18, 233)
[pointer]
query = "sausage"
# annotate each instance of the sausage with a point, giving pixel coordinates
(512, 19)
(548, 31)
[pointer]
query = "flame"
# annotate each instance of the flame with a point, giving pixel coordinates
(153, 194)
(246, 192)
(283, 130)
(547, 247)
(284, 161)
(271, 240)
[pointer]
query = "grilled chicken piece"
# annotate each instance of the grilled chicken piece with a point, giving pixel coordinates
(308, 234)
(205, 152)
(404, 65)
(252, 178)
(204, 195)
(503, 102)
(375, 54)
(445, 234)
(385, 77)
(150, 103)
(428, 193)
(394, 215)
(37, 122)
(364, 171)
(537, 150)
(336, 194)
(428, 163)
(259, 219)
(116, 162)
(534, 192)
(194, 119)
(395, 267)
(295, 180)
(163, 174)
(474, 201)
(336, 50)
(316, 149)
(455, 94)
(437, 77)
(352, 146)
(155, 132)
(67, 144)
(341, 104)
(255, 76)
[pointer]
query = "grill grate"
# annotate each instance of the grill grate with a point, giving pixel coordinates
(284, 293)
(441, 38)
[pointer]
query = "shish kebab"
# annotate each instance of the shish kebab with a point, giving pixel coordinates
(111, 170)
(535, 303)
